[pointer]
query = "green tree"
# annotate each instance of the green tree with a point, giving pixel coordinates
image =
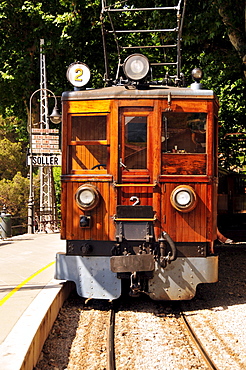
(232, 133)
(233, 14)
(213, 38)
(14, 195)
(64, 25)
(13, 129)
(12, 159)
(57, 184)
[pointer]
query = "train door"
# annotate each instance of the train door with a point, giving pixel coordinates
(136, 156)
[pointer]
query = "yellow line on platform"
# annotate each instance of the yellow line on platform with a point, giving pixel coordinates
(2, 301)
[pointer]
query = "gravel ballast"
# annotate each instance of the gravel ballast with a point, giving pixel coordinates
(217, 314)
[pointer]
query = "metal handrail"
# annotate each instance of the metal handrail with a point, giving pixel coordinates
(116, 185)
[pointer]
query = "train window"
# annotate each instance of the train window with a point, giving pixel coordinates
(184, 132)
(135, 142)
(88, 128)
(88, 143)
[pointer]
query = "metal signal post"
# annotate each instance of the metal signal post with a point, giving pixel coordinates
(47, 195)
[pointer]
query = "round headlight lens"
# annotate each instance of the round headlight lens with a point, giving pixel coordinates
(136, 67)
(87, 197)
(197, 74)
(183, 198)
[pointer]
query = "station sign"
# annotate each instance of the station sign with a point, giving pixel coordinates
(45, 160)
(45, 131)
(46, 151)
(44, 141)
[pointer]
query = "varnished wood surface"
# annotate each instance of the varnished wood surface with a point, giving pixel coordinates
(168, 170)
(190, 226)
(183, 164)
(102, 220)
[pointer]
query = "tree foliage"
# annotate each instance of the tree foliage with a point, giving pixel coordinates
(14, 194)
(12, 159)
(233, 15)
(64, 25)
(213, 39)
(232, 133)
(57, 185)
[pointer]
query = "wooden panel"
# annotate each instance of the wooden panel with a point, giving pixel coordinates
(191, 226)
(88, 106)
(135, 176)
(185, 178)
(91, 177)
(63, 209)
(183, 164)
(64, 138)
(142, 103)
(145, 195)
(155, 137)
(113, 140)
(182, 227)
(187, 105)
(85, 157)
(202, 212)
(100, 216)
(211, 141)
(69, 210)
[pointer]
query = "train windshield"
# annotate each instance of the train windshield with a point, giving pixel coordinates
(184, 132)
(136, 142)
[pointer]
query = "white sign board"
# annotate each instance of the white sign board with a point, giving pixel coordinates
(45, 143)
(46, 151)
(45, 131)
(45, 160)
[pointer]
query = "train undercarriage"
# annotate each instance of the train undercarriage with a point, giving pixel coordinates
(162, 269)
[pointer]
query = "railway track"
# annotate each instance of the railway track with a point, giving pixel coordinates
(111, 361)
(151, 335)
(198, 343)
(133, 334)
(110, 341)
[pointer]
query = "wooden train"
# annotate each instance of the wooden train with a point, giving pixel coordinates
(139, 185)
(156, 147)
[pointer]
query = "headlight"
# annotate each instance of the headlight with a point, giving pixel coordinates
(136, 67)
(197, 74)
(183, 198)
(87, 197)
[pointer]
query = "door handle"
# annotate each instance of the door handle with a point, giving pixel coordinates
(123, 165)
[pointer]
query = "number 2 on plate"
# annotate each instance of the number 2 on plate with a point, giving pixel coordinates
(79, 73)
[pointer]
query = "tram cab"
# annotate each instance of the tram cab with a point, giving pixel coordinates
(139, 181)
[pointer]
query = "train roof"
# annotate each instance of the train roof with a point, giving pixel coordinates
(131, 92)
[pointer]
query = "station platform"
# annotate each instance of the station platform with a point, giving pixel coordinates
(27, 288)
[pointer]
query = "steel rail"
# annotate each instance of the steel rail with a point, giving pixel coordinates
(110, 341)
(198, 343)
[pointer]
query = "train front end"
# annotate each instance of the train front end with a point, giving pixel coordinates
(139, 191)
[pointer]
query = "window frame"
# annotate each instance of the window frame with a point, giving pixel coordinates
(136, 175)
(71, 143)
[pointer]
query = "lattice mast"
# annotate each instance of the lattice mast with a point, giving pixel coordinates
(47, 193)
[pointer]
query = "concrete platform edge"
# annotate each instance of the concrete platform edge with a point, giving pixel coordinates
(21, 349)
